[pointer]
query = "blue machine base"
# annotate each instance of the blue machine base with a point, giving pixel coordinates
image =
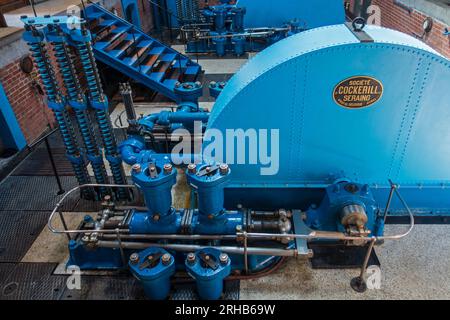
(110, 259)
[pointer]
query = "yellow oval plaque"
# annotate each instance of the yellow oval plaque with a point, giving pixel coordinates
(358, 92)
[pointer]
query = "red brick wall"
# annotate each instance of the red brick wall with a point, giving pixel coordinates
(398, 18)
(395, 17)
(145, 11)
(32, 114)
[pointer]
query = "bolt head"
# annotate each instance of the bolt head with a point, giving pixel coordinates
(167, 168)
(134, 258)
(223, 258)
(156, 217)
(213, 84)
(136, 168)
(177, 84)
(191, 258)
(198, 84)
(192, 168)
(238, 228)
(223, 168)
(166, 258)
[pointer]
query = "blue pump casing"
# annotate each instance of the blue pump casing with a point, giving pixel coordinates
(154, 278)
(209, 280)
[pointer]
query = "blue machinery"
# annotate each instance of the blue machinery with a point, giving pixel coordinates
(353, 115)
(248, 26)
(56, 33)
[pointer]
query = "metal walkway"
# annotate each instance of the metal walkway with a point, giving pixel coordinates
(123, 47)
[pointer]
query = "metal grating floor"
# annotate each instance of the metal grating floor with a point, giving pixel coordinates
(38, 164)
(32, 281)
(105, 288)
(35, 193)
(18, 231)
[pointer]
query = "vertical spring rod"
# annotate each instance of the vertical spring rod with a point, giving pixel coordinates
(48, 79)
(77, 101)
(104, 122)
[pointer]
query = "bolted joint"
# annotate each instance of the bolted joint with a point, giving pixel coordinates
(167, 168)
(134, 258)
(192, 168)
(165, 259)
(191, 258)
(136, 168)
(223, 258)
(223, 169)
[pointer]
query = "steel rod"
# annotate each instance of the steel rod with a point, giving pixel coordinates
(189, 248)
(388, 203)
(366, 259)
(55, 171)
(171, 237)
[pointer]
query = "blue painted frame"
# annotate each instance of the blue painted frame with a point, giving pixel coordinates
(10, 130)
(133, 6)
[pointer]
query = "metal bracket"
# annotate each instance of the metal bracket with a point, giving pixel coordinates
(208, 260)
(151, 261)
(205, 172)
(360, 34)
(301, 228)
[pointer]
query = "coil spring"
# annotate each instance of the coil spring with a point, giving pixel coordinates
(92, 149)
(70, 81)
(104, 124)
(47, 75)
(103, 120)
(68, 139)
(40, 57)
(73, 90)
(90, 70)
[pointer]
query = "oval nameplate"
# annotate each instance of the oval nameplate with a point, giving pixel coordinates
(358, 92)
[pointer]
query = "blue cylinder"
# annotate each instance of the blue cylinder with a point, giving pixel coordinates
(189, 91)
(209, 182)
(220, 15)
(209, 277)
(153, 267)
(220, 44)
(216, 88)
(238, 19)
(156, 183)
(239, 45)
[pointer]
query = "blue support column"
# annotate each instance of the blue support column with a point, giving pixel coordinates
(131, 12)
(10, 132)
